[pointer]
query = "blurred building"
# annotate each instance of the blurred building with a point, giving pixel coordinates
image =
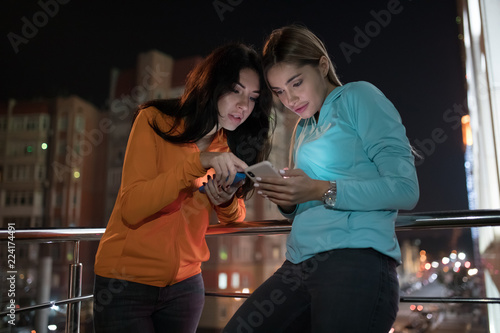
(482, 54)
(50, 155)
(156, 76)
(50, 176)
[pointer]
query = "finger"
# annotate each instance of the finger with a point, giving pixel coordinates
(222, 174)
(229, 179)
(214, 189)
(239, 184)
(225, 173)
(212, 192)
(274, 198)
(278, 184)
(239, 164)
(285, 172)
(230, 190)
(217, 170)
(232, 169)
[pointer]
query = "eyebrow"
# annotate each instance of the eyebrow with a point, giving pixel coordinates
(255, 91)
(289, 80)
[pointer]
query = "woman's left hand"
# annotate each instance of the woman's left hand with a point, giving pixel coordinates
(219, 195)
(295, 187)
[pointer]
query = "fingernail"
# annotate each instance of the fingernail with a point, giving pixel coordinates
(259, 192)
(256, 185)
(282, 171)
(258, 178)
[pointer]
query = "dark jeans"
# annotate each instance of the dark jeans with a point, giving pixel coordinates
(339, 291)
(124, 306)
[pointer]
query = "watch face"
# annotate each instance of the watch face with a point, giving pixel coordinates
(330, 201)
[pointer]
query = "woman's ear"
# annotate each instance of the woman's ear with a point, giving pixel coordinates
(324, 66)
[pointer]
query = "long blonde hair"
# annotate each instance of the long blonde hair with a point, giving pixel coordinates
(299, 46)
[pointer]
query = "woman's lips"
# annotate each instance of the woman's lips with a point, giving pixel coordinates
(236, 118)
(301, 109)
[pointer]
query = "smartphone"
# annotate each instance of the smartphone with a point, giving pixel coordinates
(262, 169)
(239, 177)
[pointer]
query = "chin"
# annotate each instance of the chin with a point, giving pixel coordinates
(230, 128)
(305, 116)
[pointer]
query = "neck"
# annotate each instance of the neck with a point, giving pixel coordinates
(329, 88)
(204, 142)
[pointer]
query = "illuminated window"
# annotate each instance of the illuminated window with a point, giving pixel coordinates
(222, 280)
(235, 280)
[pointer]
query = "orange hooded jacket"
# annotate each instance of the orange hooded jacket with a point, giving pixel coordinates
(156, 232)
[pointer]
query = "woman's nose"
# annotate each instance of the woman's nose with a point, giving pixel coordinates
(243, 103)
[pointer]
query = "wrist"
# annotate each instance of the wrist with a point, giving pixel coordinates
(321, 188)
(329, 197)
(227, 203)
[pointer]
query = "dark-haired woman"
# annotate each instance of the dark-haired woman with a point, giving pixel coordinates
(148, 264)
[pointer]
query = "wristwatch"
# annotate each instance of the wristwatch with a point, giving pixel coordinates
(330, 196)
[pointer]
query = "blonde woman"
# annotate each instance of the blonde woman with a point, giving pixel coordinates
(352, 170)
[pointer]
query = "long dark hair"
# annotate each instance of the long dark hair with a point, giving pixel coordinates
(215, 76)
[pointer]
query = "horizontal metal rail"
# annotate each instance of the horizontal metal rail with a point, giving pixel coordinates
(401, 299)
(432, 220)
(491, 300)
(411, 221)
(247, 295)
(50, 304)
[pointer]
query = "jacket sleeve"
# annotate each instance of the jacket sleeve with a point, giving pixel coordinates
(235, 212)
(145, 190)
(383, 136)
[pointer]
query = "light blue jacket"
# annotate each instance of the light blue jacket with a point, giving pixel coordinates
(360, 142)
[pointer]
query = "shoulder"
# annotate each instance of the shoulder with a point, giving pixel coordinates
(153, 116)
(360, 89)
(362, 95)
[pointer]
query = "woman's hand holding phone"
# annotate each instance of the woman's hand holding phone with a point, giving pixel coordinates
(226, 165)
(288, 188)
(219, 195)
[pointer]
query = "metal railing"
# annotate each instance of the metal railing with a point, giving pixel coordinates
(408, 221)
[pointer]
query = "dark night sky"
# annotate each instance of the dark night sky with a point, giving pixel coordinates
(414, 58)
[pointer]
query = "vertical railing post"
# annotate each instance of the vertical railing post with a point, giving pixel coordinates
(74, 290)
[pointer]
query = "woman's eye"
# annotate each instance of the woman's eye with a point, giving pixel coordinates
(298, 83)
(254, 99)
(278, 92)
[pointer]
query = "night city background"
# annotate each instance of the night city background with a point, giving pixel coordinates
(413, 53)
